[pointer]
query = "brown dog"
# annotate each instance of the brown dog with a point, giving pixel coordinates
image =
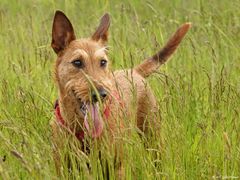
(93, 99)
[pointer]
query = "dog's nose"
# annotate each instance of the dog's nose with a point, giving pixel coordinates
(102, 94)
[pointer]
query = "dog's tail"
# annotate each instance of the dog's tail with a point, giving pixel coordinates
(151, 64)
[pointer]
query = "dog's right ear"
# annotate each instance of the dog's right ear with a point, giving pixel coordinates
(62, 32)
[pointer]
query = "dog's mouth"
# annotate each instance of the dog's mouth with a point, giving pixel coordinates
(93, 121)
(83, 108)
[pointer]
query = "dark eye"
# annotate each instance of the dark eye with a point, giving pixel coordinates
(103, 63)
(77, 63)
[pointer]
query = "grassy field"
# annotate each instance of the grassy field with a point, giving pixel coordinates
(198, 90)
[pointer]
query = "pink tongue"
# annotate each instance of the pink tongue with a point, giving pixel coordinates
(97, 124)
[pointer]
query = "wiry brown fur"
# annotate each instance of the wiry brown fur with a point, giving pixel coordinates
(76, 84)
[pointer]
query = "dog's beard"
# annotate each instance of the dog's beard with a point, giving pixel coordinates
(93, 118)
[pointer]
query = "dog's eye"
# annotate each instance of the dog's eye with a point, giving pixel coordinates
(103, 63)
(78, 63)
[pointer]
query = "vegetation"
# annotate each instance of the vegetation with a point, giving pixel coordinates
(198, 90)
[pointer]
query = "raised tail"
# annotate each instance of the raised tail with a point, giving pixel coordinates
(151, 64)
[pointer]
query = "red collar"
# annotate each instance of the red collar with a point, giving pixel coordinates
(80, 134)
(60, 120)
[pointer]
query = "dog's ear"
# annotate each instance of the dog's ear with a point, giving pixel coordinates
(102, 31)
(62, 32)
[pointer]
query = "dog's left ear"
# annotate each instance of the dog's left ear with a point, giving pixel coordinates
(102, 31)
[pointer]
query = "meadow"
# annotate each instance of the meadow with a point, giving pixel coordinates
(198, 90)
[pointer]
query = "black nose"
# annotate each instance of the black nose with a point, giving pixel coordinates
(102, 94)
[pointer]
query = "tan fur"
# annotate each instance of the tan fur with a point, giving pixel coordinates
(75, 83)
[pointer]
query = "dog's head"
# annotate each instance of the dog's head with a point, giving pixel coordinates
(82, 67)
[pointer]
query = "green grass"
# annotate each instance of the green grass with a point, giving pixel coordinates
(198, 90)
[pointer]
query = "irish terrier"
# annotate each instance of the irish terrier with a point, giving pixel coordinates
(93, 100)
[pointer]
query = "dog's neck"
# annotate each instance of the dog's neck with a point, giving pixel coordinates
(69, 108)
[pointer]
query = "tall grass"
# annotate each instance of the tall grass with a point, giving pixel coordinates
(198, 90)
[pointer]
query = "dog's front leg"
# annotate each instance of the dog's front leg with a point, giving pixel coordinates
(56, 141)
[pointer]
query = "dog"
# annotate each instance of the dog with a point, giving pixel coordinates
(93, 100)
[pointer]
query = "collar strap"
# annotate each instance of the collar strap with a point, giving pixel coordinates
(60, 120)
(116, 96)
